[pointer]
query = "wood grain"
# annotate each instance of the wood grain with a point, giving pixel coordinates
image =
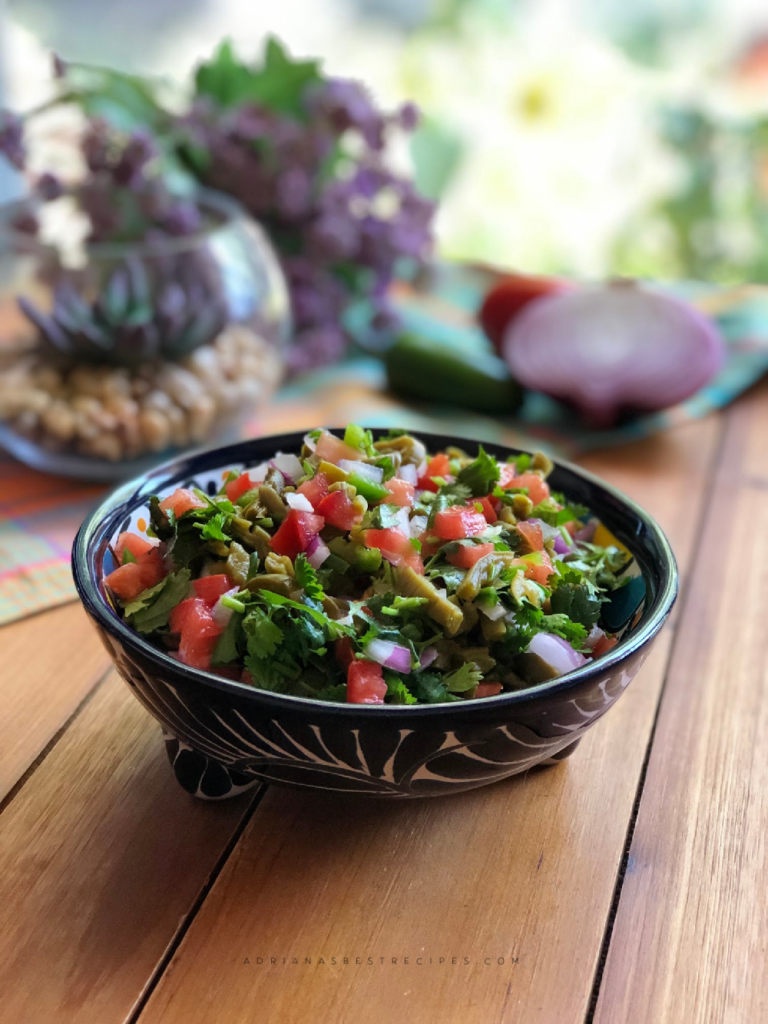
(101, 857)
(690, 933)
(49, 663)
(523, 871)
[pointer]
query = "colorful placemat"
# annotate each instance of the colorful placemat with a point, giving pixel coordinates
(40, 514)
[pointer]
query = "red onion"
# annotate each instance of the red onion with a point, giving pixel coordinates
(289, 465)
(298, 501)
(557, 652)
(586, 533)
(613, 347)
(561, 548)
(317, 552)
(428, 655)
(374, 473)
(389, 655)
(220, 612)
(408, 473)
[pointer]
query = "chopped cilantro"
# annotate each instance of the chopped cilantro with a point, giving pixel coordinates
(481, 475)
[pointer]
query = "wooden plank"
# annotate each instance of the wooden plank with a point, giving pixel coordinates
(50, 662)
(101, 857)
(523, 871)
(689, 936)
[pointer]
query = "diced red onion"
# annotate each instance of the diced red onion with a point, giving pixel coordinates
(557, 652)
(561, 548)
(428, 655)
(389, 655)
(586, 533)
(408, 473)
(298, 501)
(317, 552)
(593, 636)
(493, 612)
(613, 347)
(289, 465)
(220, 612)
(373, 473)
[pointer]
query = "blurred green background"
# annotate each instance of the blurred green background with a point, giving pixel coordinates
(583, 138)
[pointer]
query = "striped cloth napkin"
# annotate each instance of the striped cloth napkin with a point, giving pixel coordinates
(40, 514)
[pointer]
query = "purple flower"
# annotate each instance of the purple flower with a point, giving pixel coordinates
(12, 139)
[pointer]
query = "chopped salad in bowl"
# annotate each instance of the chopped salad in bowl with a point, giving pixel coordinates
(370, 571)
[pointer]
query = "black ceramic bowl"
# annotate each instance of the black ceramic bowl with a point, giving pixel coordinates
(224, 736)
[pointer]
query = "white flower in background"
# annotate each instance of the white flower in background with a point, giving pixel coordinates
(559, 148)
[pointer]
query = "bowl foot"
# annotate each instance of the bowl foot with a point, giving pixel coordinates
(204, 778)
(562, 754)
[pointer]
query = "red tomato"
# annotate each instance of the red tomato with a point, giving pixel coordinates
(538, 489)
(199, 634)
(132, 579)
(395, 547)
(295, 533)
(314, 490)
(466, 557)
(532, 535)
(331, 449)
(132, 542)
(343, 650)
(488, 510)
(458, 522)
(178, 615)
(507, 474)
(235, 489)
(401, 491)
(365, 683)
(438, 465)
(538, 573)
(181, 501)
(338, 510)
(210, 588)
(507, 297)
(603, 645)
(488, 689)
(246, 677)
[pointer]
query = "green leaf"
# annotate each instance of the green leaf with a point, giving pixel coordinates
(150, 610)
(481, 475)
(213, 528)
(397, 691)
(358, 437)
(307, 579)
(549, 513)
(334, 629)
(128, 557)
(226, 650)
(262, 635)
(562, 625)
(428, 687)
(465, 678)
(577, 601)
(280, 84)
(337, 693)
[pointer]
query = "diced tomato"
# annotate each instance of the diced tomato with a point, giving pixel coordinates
(507, 474)
(488, 510)
(235, 489)
(210, 588)
(132, 542)
(538, 571)
(314, 490)
(178, 616)
(458, 522)
(338, 510)
(466, 557)
(133, 578)
(395, 547)
(603, 645)
(365, 683)
(199, 634)
(538, 489)
(507, 298)
(181, 501)
(401, 491)
(226, 671)
(438, 465)
(295, 533)
(532, 536)
(332, 449)
(343, 650)
(488, 689)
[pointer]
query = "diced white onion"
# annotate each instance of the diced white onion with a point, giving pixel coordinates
(320, 552)
(409, 473)
(289, 465)
(372, 473)
(220, 612)
(300, 502)
(497, 611)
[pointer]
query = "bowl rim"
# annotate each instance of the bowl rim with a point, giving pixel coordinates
(97, 606)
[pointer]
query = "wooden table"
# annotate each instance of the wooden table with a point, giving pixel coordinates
(627, 884)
